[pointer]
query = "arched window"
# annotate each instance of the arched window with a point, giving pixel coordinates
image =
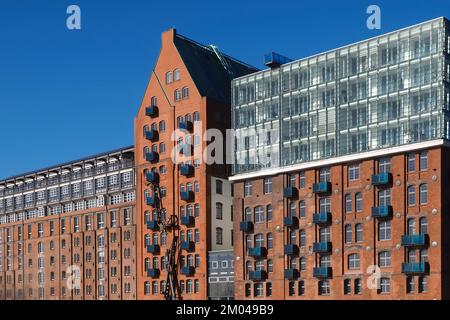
(269, 265)
(409, 284)
(347, 286)
(358, 286)
(176, 74)
(147, 239)
(162, 126)
(423, 284)
(292, 209)
(302, 209)
(154, 101)
(358, 232)
(154, 147)
(269, 240)
(169, 77)
(269, 212)
(196, 116)
(324, 234)
(146, 151)
(177, 95)
(146, 288)
(423, 222)
(248, 214)
(353, 261)
(259, 214)
(411, 196)
(219, 236)
(162, 147)
(348, 233)
(259, 240)
(145, 129)
(249, 266)
(423, 193)
(219, 211)
(411, 226)
(302, 264)
(302, 234)
(292, 236)
(185, 92)
(147, 216)
(324, 287)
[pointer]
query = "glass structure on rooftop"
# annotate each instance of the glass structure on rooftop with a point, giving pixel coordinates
(387, 91)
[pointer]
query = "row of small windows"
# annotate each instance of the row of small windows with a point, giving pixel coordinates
(172, 76)
(189, 287)
(353, 172)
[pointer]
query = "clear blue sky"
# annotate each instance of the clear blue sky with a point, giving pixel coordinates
(68, 94)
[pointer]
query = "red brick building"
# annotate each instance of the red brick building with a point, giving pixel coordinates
(189, 91)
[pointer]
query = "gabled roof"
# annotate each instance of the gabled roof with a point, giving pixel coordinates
(211, 70)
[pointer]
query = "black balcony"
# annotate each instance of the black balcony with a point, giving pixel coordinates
(153, 249)
(291, 249)
(322, 218)
(152, 177)
(291, 222)
(291, 274)
(415, 268)
(152, 225)
(151, 135)
(415, 240)
(322, 187)
(187, 196)
(188, 246)
(259, 275)
(246, 226)
(151, 111)
(153, 273)
(152, 201)
(382, 179)
(382, 212)
(187, 271)
(152, 156)
(322, 247)
(257, 252)
(322, 272)
(186, 126)
(186, 170)
(290, 192)
(188, 221)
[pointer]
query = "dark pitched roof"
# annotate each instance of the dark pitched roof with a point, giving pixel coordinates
(208, 72)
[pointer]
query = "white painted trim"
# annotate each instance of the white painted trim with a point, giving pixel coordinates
(347, 158)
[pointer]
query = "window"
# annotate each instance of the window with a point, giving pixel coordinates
(302, 264)
(358, 232)
(100, 220)
(324, 175)
(248, 290)
(219, 236)
(219, 211)
(411, 223)
(169, 77)
(258, 290)
(423, 160)
(302, 234)
(384, 197)
(302, 180)
(353, 172)
(423, 193)
(185, 92)
(353, 261)
(301, 288)
(384, 259)
(269, 212)
(348, 233)
(324, 287)
(385, 285)
(423, 284)
(291, 288)
(267, 185)
(325, 204)
(411, 162)
(292, 209)
(384, 230)
(176, 75)
(177, 95)
(196, 116)
(347, 286)
(247, 188)
(358, 202)
(219, 187)
(423, 223)
(248, 214)
(269, 240)
(259, 240)
(269, 289)
(409, 284)
(348, 203)
(358, 286)
(162, 126)
(302, 209)
(259, 214)
(384, 165)
(411, 196)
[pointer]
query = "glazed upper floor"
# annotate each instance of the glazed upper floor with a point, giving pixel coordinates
(387, 91)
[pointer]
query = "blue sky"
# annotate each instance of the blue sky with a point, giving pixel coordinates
(68, 94)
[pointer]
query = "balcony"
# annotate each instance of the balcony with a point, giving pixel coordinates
(382, 212)
(246, 226)
(259, 275)
(382, 179)
(322, 187)
(153, 273)
(322, 247)
(291, 274)
(153, 249)
(290, 192)
(152, 201)
(188, 221)
(291, 222)
(152, 177)
(186, 126)
(322, 272)
(152, 225)
(186, 149)
(151, 111)
(322, 218)
(186, 170)
(151, 135)
(187, 271)
(188, 246)
(152, 157)
(257, 252)
(187, 196)
(415, 268)
(415, 240)
(291, 250)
